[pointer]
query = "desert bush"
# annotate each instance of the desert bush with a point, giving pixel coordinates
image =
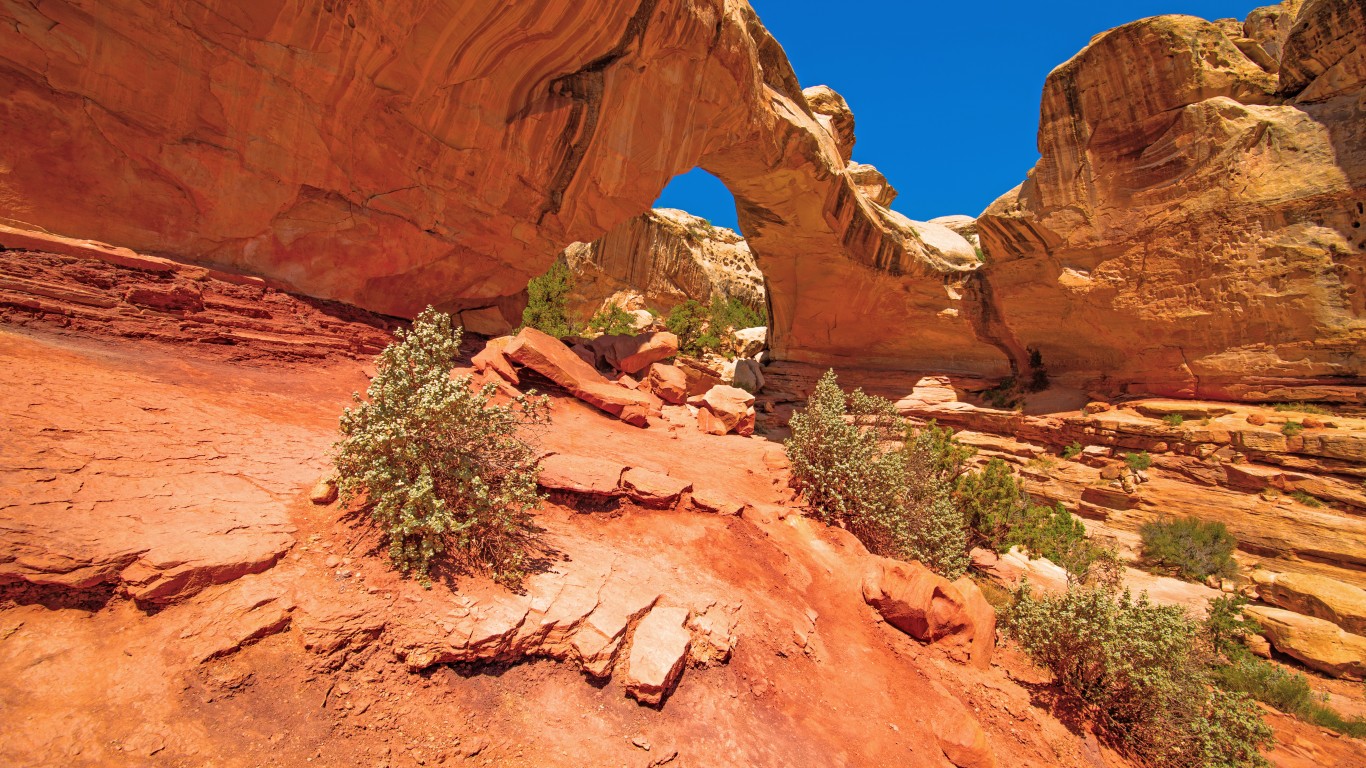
(1072, 451)
(1138, 462)
(1190, 548)
(1237, 670)
(731, 314)
(1139, 671)
(1311, 408)
(612, 320)
(1001, 515)
(440, 467)
(1174, 419)
(547, 299)
(1305, 498)
(1292, 428)
(688, 321)
(859, 465)
(711, 328)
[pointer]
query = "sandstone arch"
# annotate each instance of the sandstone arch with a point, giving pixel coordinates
(395, 154)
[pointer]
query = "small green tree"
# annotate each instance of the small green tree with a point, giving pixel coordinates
(612, 320)
(688, 321)
(547, 298)
(439, 466)
(1138, 462)
(1190, 548)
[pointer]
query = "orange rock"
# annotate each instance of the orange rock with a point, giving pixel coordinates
(659, 650)
(669, 383)
(581, 475)
(653, 489)
(492, 357)
(726, 409)
(1256, 419)
(925, 606)
(549, 357)
(632, 354)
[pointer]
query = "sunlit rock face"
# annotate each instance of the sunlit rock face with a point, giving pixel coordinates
(1195, 224)
(395, 154)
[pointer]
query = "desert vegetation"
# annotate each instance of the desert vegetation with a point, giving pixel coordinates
(439, 466)
(547, 297)
(1190, 548)
(710, 328)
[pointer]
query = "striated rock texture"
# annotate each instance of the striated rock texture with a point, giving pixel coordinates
(393, 155)
(668, 256)
(1194, 226)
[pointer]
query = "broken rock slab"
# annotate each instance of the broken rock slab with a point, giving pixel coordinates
(549, 357)
(581, 475)
(1318, 644)
(1317, 596)
(659, 651)
(653, 489)
(633, 354)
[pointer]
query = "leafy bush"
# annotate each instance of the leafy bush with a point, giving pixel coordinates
(1138, 670)
(1190, 548)
(1306, 499)
(1174, 419)
(847, 460)
(547, 297)
(1311, 408)
(711, 328)
(1138, 462)
(1238, 670)
(1292, 428)
(688, 321)
(612, 320)
(1072, 451)
(1001, 515)
(733, 315)
(439, 467)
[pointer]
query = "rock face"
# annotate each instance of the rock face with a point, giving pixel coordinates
(668, 257)
(1318, 596)
(931, 609)
(1194, 226)
(396, 155)
(1319, 644)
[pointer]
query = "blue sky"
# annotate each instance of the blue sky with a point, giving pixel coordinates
(945, 95)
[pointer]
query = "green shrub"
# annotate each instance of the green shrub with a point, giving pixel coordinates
(1174, 419)
(1138, 462)
(1190, 548)
(547, 297)
(1072, 451)
(1311, 408)
(1306, 499)
(847, 461)
(1001, 515)
(1237, 670)
(688, 321)
(440, 468)
(1137, 669)
(612, 320)
(732, 315)
(1291, 428)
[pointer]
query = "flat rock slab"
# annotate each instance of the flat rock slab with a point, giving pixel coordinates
(549, 357)
(653, 489)
(659, 649)
(581, 475)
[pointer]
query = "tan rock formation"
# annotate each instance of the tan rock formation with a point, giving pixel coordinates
(1317, 596)
(668, 257)
(395, 155)
(1194, 226)
(1320, 644)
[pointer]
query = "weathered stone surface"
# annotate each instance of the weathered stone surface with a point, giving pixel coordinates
(580, 475)
(1194, 225)
(653, 489)
(983, 618)
(751, 341)
(1319, 644)
(323, 492)
(1317, 596)
(708, 500)
(962, 739)
(659, 650)
(667, 257)
(633, 354)
(549, 357)
(669, 383)
(749, 376)
(925, 606)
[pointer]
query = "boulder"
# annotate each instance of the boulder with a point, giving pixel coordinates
(749, 376)
(632, 354)
(1317, 596)
(1318, 644)
(493, 358)
(983, 617)
(324, 492)
(962, 739)
(708, 500)
(549, 357)
(580, 475)
(659, 649)
(925, 606)
(700, 377)
(653, 489)
(726, 409)
(751, 341)
(668, 382)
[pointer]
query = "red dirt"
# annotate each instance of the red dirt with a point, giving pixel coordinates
(139, 465)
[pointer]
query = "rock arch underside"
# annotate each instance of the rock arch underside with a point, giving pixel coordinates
(1195, 231)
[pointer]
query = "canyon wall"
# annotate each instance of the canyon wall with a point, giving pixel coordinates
(668, 257)
(397, 154)
(1194, 225)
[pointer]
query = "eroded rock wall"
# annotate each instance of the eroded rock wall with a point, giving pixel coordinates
(397, 154)
(1194, 226)
(668, 257)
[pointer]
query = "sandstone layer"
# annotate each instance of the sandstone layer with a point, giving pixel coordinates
(667, 257)
(1195, 224)
(395, 155)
